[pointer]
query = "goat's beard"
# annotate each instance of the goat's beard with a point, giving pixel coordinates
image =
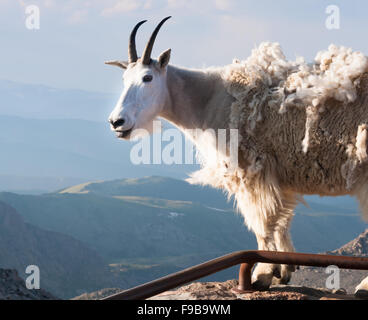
(146, 128)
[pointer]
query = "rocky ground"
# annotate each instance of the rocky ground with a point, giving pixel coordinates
(223, 291)
(12, 287)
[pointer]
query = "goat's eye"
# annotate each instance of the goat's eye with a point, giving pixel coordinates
(147, 78)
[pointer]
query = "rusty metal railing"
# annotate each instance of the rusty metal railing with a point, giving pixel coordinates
(247, 259)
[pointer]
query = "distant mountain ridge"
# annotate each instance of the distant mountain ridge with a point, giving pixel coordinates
(12, 287)
(67, 266)
(356, 247)
(154, 187)
(35, 185)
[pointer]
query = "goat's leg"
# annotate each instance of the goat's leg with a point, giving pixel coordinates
(282, 237)
(284, 243)
(264, 230)
(361, 192)
(264, 272)
(258, 221)
(259, 203)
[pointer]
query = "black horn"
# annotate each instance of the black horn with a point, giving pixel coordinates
(132, 54)
(146, 58)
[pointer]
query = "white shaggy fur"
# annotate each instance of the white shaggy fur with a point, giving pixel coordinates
(335, 74)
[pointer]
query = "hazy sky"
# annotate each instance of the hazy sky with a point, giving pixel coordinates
(76, 36)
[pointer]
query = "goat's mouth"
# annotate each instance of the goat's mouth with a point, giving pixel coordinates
(123, 134)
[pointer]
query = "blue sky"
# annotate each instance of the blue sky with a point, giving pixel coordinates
(76, 36)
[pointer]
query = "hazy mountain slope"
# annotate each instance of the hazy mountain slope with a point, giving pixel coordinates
(35, 185)
(155, 187)
(70, 148)
(135, 227)
(324, 223)
(43, 102)
(12, 287)
(67, 266)
(174, 189)
(116, 213)
(346, 204)
(312, 233)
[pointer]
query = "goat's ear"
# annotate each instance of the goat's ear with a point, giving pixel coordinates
(118, 63)
(164, 58)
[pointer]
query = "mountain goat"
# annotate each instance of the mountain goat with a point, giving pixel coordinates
(302, 129)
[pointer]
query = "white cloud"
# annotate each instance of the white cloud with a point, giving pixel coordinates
(78, 16)
(122, 6)
(76, 11)
(43, 3)
(148, 4)
(179, 3)
(49, 3)
(223, 4)
(4, 3)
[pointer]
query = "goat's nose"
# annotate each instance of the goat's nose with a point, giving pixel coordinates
(117, 123)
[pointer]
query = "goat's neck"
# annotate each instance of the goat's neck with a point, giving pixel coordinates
(194, 99)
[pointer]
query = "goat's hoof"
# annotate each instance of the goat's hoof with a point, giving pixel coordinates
(286, 272)
(361, 290)
(263, 274)
(260, 285)
(361, 294)
(277, 273)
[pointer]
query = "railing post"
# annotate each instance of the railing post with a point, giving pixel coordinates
(245, 278)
